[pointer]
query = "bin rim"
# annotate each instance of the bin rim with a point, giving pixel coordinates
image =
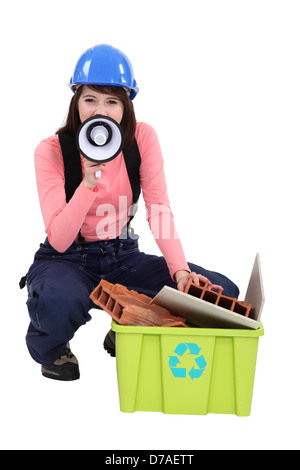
(191, 331)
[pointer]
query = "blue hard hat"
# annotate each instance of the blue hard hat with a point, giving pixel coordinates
(104, 65)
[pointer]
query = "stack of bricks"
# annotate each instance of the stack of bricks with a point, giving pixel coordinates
(215, 297)
(128, 307)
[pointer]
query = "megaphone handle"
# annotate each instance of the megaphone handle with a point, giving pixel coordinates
(98, 174)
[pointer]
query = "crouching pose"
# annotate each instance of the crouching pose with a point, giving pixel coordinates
(87, 220)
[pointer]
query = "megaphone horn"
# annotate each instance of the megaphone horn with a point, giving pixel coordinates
(99, 133)
(100, 139)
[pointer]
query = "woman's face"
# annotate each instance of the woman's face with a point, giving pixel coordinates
(93, 102)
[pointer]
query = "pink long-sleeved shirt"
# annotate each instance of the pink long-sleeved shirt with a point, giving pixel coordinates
(102, 213)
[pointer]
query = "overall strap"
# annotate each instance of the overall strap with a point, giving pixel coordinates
(72, 163)
(132, 159)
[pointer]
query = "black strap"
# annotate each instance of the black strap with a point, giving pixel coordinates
(132, 159)
(72, 163)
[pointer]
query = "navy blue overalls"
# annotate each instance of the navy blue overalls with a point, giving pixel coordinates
(59, 284)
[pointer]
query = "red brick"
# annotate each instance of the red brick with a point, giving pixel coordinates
(128, 307)
(215, 297)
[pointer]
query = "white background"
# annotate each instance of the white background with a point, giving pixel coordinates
(219, 81)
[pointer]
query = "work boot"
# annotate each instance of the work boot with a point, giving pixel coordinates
(64, 368)
(109, 343)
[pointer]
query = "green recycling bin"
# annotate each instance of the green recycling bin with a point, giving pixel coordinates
(186, 370)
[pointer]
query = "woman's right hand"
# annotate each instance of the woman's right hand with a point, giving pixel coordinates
(90, 169)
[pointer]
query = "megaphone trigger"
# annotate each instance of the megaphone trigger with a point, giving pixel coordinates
(99, 139)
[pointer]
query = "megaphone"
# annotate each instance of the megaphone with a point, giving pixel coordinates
(100, 139)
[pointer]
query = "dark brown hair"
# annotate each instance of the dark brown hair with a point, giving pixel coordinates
(128, 122)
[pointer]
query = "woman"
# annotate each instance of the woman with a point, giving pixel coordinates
(85, 235)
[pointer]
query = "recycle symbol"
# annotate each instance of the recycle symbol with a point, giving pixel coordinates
(198, 365)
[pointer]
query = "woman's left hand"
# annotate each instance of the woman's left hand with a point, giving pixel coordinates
(182, 278)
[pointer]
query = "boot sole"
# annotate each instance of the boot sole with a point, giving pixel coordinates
(65, 373)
